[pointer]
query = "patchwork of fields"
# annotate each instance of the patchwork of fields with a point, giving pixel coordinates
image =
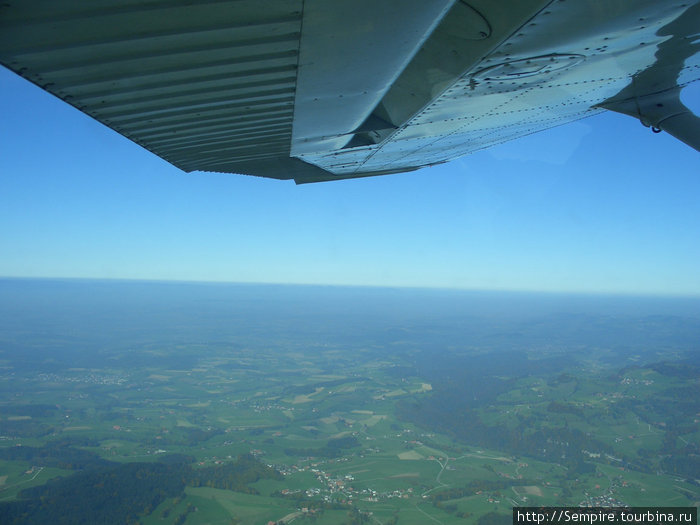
(256, 404)
(337, 439)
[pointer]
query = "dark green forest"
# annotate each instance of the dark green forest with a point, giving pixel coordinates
(464, 386)
(119, 493)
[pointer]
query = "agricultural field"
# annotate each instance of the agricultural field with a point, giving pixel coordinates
(272, 427)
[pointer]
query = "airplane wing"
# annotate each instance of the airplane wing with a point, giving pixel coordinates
(318, 90)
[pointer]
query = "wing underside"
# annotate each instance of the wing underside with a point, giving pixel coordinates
(313, 90)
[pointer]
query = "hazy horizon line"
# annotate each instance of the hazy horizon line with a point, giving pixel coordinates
(572, 292)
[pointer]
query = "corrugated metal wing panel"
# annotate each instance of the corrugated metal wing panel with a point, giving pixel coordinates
(204, 85)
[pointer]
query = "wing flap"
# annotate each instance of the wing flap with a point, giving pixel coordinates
(205, 85)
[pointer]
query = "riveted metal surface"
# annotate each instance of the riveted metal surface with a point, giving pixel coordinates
(317, 90)
(550, 71)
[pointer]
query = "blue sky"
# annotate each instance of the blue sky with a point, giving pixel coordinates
(600, 205)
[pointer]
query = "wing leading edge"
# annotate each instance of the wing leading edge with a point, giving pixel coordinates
(312, 90)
